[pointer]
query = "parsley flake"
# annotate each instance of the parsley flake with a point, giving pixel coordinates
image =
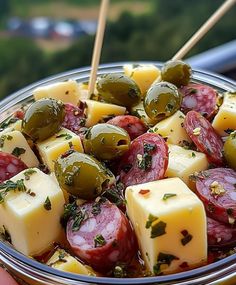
(47, 204)
(18, 151)
(99, 241)
(168, 195)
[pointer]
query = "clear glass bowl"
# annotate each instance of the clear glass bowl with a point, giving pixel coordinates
(34, 273)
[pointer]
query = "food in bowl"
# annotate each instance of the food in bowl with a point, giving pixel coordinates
(128, 188)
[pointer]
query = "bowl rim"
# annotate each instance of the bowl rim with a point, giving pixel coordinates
(206, 77)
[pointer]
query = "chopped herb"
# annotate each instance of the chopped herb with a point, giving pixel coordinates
(79, 217)
(115, 195)
(147, 147)
(4, 234)
(181, 116)
(193, 154)
(17, 151)
(28, 173)
(228, 131)
(69, 211)
(96, 208)
(144, 161)
(47, 204)
(192, 91)
(168, 195)
(99, 241)
(66, 136)
(6, 124)
(150, 220)
(62, 255)
(186, 237)
(9, 185)
(158, 229)
(163, 259)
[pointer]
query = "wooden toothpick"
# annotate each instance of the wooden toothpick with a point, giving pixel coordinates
(98, 44)
(204, 29)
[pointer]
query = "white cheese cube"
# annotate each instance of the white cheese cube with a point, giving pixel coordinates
(66, 91)
(12, 124)
(143, 74)
(172, 128)
(170, 224)
(97, 111)
(51, 148)
(62, 260)
(226, 117)
(15, 143)
(32, 215)
(184, 162)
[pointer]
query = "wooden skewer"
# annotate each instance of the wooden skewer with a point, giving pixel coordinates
(204, 29)
(98, 44)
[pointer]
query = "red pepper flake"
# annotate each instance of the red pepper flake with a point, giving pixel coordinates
(144, 191)
(184, 265)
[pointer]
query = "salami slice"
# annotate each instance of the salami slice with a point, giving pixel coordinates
(10, 165)
(100, 234)
(219, 234)
(217, 190)
(133, 125)
(200, 98)
(204, 137)
(74, 119)
(145, 161)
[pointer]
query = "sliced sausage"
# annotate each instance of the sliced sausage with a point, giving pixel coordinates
(133, 125)
(200, 98)
(204, 137)
(104, 236)
(217, 190)
(220, 234)
(10, 165)
(74, 119)
(145, 161)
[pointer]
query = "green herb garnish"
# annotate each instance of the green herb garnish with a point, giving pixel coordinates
(47, 204)
(66, 136)
(163, 258)
(28, 173)
(158, 229)
(9, 185)
(99, 241)
(168, 195)
(17, 151)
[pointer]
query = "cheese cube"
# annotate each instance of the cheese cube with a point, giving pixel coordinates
(170, 224)
(51, 148)
(62, 260)
(31, 214)
(97, 111)
(138, 111)
(184, 162)
(66, 91)
(143, 74)
(12, 124)
(15, 143)
(172, 128)
(226, 117)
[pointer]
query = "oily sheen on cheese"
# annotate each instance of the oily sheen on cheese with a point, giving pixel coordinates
(51, 148)
(62, 260)
(31, 226)
(170, 211)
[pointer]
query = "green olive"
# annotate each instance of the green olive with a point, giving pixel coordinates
(118, 89)
(162, 100)
(43, 119)
(230, 150)
(106, 141)
(82, 175)
(176, 72)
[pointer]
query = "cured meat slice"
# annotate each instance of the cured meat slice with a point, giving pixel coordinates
(145, 161)
(133, 125)
(219, 234)
(74, 119)
(100, 234)
(200, 98)
(10, 165)
(217, 190)
(204, 137)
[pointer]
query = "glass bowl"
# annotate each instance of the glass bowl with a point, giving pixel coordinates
(34, 273)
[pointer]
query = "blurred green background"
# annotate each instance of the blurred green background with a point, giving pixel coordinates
(32, 48)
